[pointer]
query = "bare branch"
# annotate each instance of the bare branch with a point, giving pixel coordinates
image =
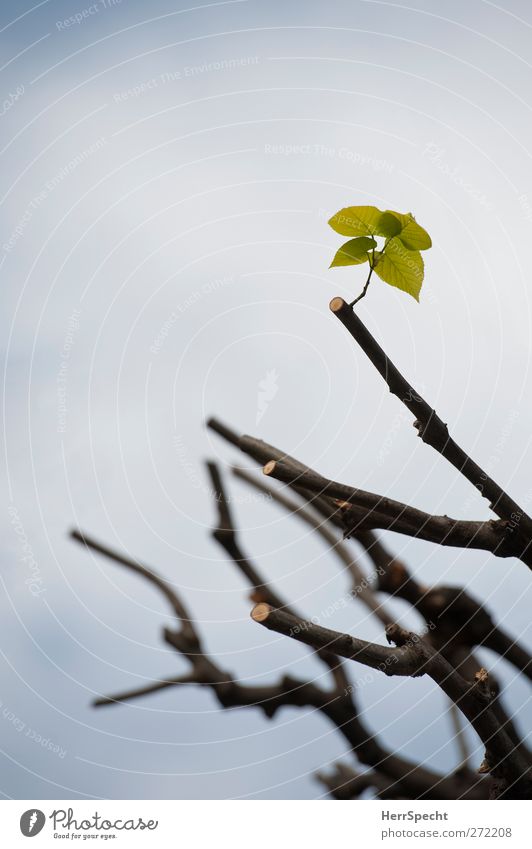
(344, 783)
(457, 617)
(459, 737)
(361, 589)
(434, 432)
(155, 687)
(384, 562)
(392, 661)
(204, 670)
(364, 510)
(177, 605)
(410, 779)
(226, 535)
(261, 452)
(458, 622)
(412, 657)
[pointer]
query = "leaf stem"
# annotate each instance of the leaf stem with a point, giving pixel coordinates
(372, 265)
(364, 290)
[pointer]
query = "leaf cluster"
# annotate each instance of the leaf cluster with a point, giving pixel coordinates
(398, 259)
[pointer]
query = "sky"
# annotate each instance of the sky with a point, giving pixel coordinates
(167, 175)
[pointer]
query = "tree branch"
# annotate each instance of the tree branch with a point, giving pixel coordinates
(413, 657)
(261, 452)
(459, 736)
(401, 661)
(204, 670)
(154, 687)
(457, 617)
(361, 588)
(365, 510)
(391, 572)
(434, 432)
(187, 628)
(344, 783)
(226, 536)
(456, 623)
(409, 778)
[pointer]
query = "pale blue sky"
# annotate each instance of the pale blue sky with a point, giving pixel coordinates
(173, 174)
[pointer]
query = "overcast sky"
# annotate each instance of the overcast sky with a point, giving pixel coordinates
(167, 176)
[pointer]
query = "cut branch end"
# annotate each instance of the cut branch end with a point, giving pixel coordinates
(261, 612)
(336, 304)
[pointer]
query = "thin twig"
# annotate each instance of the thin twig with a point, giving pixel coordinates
(364, 290)
(361, 588)
(154, 687)
(177, 605)
(459, 737)
(226, 536)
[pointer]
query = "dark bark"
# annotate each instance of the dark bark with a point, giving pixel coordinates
(412, 657)
(409, 779)
(225, 534)
(363, 510)
(434, 432)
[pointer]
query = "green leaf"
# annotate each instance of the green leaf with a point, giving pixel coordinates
(413, 236)
(357, 221)
(401, 268)
(354, 252)
(389, 224)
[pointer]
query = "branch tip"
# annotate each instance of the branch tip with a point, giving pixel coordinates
(261, 612)
(336, 304)
(269, 468)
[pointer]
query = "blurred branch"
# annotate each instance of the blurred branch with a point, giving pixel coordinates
(385, 564)
(452, 630)
(412, 657)
(360, 588)
(459, 737)
(155, 687)
(225, 534)
(457, 623)
(409, 778)
(344, 783)
(457, 618)
(261, 452)
(204, 670)
(187, 627)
